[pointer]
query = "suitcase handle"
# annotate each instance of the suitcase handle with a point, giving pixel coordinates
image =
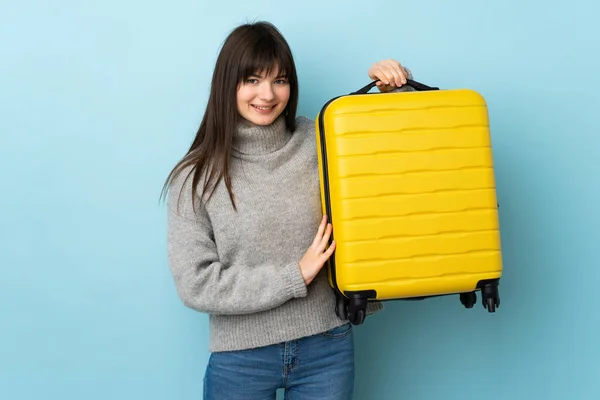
(409, 82)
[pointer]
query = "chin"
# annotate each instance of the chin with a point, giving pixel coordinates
(262, 120)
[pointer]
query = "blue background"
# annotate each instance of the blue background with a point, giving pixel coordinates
(99, 99)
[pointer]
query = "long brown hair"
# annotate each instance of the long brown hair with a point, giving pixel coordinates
(250, 48)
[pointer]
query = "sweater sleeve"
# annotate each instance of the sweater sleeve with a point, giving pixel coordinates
(204, 283)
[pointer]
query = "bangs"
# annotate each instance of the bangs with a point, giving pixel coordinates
(265, 57)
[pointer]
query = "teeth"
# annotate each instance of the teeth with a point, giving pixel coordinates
(262, 108)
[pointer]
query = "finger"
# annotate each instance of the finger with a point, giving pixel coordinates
(380, 73)
(399, 78)
(327, 254)
(325, 239)
(403, 75)
(372, 71)
(375, 73)
(397, 70)
(399, 73)
(320, 231)
(386, 88)
(383, 87)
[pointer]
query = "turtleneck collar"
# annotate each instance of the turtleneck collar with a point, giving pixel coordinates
(256, 139)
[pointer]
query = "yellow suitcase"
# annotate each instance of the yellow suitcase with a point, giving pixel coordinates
(407, 181)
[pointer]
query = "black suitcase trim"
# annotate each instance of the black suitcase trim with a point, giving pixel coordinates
(325, 178)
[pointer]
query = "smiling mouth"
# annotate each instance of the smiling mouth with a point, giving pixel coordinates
(262, 108)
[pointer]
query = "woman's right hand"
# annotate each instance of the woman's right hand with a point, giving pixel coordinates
(318, 252)
(390, 73)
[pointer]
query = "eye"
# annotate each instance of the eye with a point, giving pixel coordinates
(281, 81)
(251, 81)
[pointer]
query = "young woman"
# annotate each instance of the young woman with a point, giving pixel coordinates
(247, 239)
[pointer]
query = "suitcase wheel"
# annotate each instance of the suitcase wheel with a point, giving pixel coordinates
(357, 317)
(341, 307)
(490, 296)
(357, 309)
(354, 309)
(468, 299)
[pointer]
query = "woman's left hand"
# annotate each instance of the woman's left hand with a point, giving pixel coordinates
(391, 74)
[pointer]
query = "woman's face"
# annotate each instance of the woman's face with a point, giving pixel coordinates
(262, 98)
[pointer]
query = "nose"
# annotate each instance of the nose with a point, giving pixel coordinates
(266, 92)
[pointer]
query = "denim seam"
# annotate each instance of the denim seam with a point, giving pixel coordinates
(296, 358)
(284, 363)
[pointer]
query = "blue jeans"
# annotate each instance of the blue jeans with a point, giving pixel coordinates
(315, 367)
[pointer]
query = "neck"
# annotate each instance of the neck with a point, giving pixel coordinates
(261, 139)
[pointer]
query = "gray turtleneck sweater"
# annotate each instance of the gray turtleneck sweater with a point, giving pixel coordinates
(242, 267)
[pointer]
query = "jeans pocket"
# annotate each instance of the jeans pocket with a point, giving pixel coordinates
(338, 332)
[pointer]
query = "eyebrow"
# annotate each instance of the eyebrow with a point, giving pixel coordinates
(256, 75)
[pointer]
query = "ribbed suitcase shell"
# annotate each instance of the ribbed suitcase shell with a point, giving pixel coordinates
(408, 182)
